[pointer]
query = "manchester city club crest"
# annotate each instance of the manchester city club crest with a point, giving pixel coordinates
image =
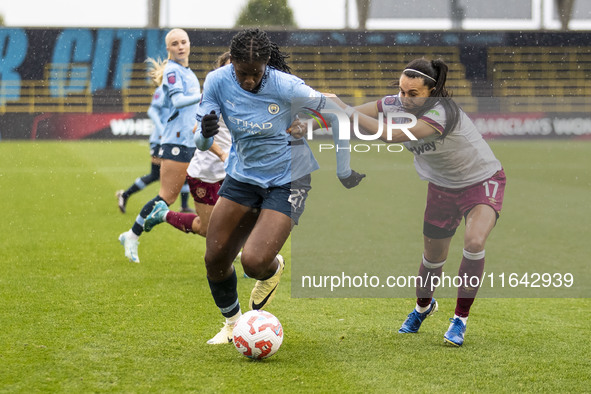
(273, 109)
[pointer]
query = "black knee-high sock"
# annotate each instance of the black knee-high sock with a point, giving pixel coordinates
(142, 182)
(155, 172)
(153, 176)
(147, 179)
(225, 295)
(138, 226)
(185, 196)
(134, 188)
(185, 200)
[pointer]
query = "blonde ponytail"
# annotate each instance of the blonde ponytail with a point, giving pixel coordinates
(156, 70)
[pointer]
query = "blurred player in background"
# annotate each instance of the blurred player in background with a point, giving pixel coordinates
(205, 176)
(465, 181)
(158, 113)
(181, 93)
(254, 212)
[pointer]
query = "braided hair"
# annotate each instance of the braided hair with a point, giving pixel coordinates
(434, 75)
(253, 45)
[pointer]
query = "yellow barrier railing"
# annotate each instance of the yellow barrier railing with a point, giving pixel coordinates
(38, 96)
(358, 72)
(541, 78)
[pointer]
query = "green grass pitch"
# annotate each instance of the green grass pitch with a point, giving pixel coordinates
(75, 316)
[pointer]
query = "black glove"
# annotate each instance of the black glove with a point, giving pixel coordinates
(209, 125)
(352, 180)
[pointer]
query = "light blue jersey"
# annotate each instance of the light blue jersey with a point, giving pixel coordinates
(159, 115)
(260, 154)
(303, 161)
(181, 80)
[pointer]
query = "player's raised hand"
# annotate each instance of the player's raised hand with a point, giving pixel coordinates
(209, 125)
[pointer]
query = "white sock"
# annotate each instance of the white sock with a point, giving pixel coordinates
(278, 266)
(232, 320)
(463, 319)
(422, 309)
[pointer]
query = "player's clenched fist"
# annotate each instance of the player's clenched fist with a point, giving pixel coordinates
(209, 125)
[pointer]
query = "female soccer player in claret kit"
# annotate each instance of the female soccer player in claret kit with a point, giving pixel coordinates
(465, 181)
(182, 93)
(255, 97)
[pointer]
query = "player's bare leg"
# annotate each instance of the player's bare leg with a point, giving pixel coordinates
(229, 226)
(172, 179)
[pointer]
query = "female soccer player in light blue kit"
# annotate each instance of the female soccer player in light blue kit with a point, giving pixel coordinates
(182, 92)
(159, 115)
(254, 208)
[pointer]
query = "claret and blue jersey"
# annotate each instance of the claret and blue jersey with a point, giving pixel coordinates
(260, 153)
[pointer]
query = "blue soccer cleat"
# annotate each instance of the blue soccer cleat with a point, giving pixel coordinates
(455, 333)
(415, 319)
(156, 216)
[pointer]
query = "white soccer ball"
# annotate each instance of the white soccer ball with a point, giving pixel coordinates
(257, 334)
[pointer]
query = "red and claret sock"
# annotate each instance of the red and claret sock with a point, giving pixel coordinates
(182, 221)
(472, 267)
(427, 271)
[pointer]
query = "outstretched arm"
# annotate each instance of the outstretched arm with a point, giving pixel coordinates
(348, 177)
(179, 100)
(367, 115)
